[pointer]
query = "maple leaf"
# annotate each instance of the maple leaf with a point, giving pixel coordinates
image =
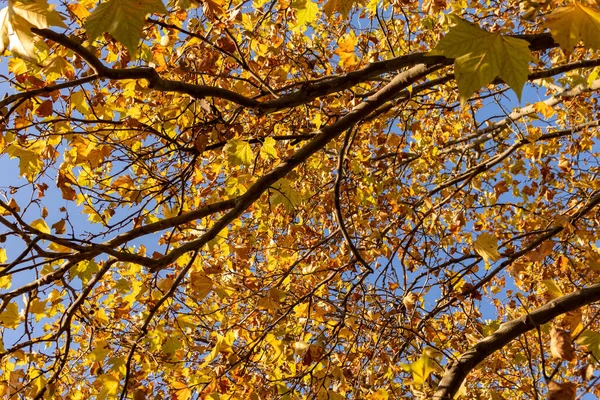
(10, 316)
(110, 386)
(123, 19)
(16, 21)
(340, 6)
(306, 12)
(345, 50)
(30, 163)
(573, 23)
(239, 152)
(486, 245)
(560, 345)
(268, 149)
(40, 225)
(481, 56)
(182, 391)
(591, 340)
(420, 369)
(561, 391)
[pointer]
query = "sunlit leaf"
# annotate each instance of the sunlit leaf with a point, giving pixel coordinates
(16, 21)
(481, 56)
(123, 19)
(420, 369)
(573, 23)
(9, 318)
(40, 225)
(486, 245)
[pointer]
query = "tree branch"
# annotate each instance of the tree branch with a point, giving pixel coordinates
(458, 371)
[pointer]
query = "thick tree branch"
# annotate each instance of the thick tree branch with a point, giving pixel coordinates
(306, 94)
(324, 136)
(458, 371)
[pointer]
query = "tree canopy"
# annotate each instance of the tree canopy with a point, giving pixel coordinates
(299, 199)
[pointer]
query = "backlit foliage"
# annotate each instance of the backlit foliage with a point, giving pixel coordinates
(303, 199)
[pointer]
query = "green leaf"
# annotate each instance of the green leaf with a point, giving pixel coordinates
(591, 340)
(481, 56)
(123, 19)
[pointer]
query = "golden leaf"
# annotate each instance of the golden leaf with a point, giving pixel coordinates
(486, 245)
(574, 23)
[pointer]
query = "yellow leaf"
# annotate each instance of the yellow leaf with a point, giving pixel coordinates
(306, 12)
(420, 369)
(201, 285)
(592, 259)
(16, 21)
(123, 19)
(37, 306)
(486, 246)
(3, 256)
(591, 341)
(573, 23)
(345, 50)
(268, 148)
(30, 162)
(10, 316)
(182, 391)
(380, 394)
(544, 109)
(552, 288)
(239, 152)
(481, 56)
(223, 345)
(110, 387)
(6, 282)
(78, 101)
(40, 225)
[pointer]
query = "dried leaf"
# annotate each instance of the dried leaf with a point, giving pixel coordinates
(560, 345)
(561, 391)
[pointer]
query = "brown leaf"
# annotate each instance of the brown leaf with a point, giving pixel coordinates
(561, 391)
(587, 372)
(59, 227)
(45, 108)
(560, 345)
(63, 182)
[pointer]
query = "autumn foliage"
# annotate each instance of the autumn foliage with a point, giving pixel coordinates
(299, 199)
